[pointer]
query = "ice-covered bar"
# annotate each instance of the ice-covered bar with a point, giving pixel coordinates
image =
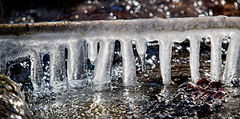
(81, 40)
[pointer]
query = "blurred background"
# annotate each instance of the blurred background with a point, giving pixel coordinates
(29, 11)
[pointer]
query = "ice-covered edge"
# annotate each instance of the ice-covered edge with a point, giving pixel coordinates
(135, 25)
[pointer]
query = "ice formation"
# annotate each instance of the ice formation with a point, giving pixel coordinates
(82, 39)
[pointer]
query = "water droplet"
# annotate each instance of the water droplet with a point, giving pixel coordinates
(200, 3)
(111, 14)
(223, 2)
(89, 2)
(160, 10)
(236, 5)
(182, 12)
(24, 19)
(128, 7)
(195, 4)
(150, 14)
(165, 8)
(85, 11)
(76, 16)
(135, 3)
(210, 12)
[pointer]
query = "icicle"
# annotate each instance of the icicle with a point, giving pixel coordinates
(37, 70)
(2, 60)
(54, 62)
(92, 50)
(129, 68)
(57, 63)
(102, 70)
(165, 54)
(33, 71)
(2, 66)
(194, 58)
(232, 62)
(216, 58)
(141, 46)
(76, 61)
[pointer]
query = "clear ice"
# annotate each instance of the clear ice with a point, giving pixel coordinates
(82, 44)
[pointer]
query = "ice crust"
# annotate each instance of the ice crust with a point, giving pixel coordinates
(83, 44)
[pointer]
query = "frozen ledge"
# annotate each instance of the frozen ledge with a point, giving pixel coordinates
(136, 25)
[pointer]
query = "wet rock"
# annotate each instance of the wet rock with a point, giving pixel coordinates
(12, 104)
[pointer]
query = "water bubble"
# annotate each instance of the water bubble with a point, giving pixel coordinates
(176, 1)
(85, 11)
(151, 2)
(160, 10)
(195, 4)
(128, 7)
(200, 3)
(223, 2)
(236, 5)
(76, 16)
(135, 3)
(167, 14)
(111, 14)
(150, 14)
(24, 19)
(182, 12)
(198, 10)
(173, 6)
(89, 2)
(165, 8)
(145, 10)
(210, 12)
(162, 5)
(129, 2)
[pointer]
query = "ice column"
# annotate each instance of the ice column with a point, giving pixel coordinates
(92, 49)
(216, 58)
(102, 70)
(2, 61)
(165, 54)
(76, 61)
(232, 63)
(128, 59)
(2, 66)
(37, 69)
(57, 62)
(141, 46)
(194, 58)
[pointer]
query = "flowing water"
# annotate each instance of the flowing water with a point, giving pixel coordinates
(129, 71)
